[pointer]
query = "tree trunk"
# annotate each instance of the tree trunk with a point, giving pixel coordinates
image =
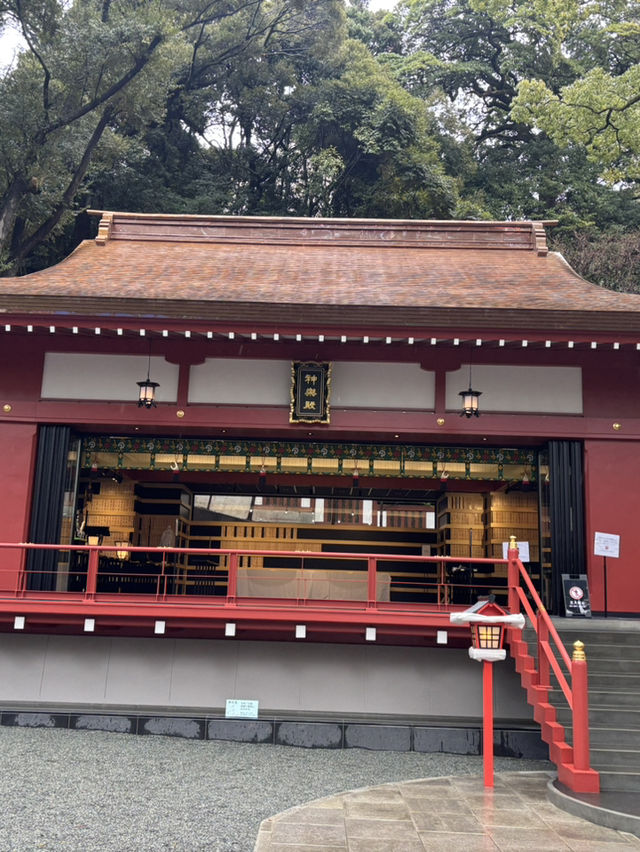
(9, 208)
(26, 246)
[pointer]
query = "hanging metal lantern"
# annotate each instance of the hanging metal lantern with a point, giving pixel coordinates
(147, 394)
(470, 402)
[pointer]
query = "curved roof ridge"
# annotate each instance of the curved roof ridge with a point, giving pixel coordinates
(269, 230)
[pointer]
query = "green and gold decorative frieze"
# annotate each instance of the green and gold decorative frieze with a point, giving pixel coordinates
(308, 457)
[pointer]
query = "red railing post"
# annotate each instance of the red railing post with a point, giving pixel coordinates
(21, 578)
(487, 723)
(92, 573)
(580, 692)
(513, 576)
(372, 585)
(162, 578)
(232, 581)
(544, 671)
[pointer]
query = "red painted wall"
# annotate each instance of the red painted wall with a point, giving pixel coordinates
(612, 480)
(18, 442)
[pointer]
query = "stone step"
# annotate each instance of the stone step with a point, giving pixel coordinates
(610, 738)
(613, 659)
(622, 782)
(613, 665)
(626, 683)
(625, 719)
(599, 699)
(612, 651)
(599, 637)
(592, 639)
(613, 758)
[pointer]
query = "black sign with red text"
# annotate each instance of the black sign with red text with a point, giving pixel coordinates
(575, 589)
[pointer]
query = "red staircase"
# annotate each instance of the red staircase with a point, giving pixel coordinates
(574, 770)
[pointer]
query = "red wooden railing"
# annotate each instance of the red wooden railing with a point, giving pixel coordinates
(168, 576)
(171, 592)
(573, 763)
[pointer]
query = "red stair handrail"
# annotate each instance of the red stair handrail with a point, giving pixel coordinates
(576, 693)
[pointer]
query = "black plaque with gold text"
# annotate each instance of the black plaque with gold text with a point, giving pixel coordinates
(310, 385)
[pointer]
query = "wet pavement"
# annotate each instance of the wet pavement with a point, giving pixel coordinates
(441, 815)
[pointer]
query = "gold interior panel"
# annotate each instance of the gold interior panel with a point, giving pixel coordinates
(321, 465)
(233, 463)
(105, 460)
(386, 468)
(269, 463)
(201, 461)
(294, 464)
(419, 468)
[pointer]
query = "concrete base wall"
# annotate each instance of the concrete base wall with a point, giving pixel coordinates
(285, 677)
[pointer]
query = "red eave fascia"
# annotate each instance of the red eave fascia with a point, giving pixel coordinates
(254, 619)
(91, 326)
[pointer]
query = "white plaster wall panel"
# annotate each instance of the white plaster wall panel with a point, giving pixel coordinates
(74, 375)
(76, 663)
(294, 676)
(140, 672)
(419, 677)
(546, 390)
(203, 673)
(269, 673)
(240, 381)
(326, 675)
(237, 381)
(22, 663)
(365, 384)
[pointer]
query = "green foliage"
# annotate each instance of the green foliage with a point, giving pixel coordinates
(295, 129)
(500, 109)
(599, 112)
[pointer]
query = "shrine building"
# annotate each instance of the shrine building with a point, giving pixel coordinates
(274, 454)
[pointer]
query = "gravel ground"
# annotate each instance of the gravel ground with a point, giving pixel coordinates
(87, 791)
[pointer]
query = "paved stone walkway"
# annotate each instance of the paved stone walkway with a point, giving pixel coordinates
(440, 815)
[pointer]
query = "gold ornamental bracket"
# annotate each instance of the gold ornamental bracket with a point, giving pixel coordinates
(310, 392)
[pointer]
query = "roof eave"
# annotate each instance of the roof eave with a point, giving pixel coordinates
(43, 310)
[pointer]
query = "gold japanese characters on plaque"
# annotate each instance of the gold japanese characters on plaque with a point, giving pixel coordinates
(310, 387)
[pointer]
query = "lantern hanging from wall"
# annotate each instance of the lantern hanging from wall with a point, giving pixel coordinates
(147, 392)
(470, 400)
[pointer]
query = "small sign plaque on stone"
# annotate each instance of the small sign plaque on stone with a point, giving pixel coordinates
(241, 708)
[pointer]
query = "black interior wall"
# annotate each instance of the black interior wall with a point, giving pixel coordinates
(566, 500)
(48, 495)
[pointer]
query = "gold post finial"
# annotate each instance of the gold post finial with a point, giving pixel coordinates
(513, 542)
(578, 651)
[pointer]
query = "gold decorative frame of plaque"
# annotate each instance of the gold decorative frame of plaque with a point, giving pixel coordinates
(310, 392)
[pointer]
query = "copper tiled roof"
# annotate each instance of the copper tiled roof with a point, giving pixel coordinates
(314, 269)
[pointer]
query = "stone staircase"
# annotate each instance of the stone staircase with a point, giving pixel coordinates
(613, 656)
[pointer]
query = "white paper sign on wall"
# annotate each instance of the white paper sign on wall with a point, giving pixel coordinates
(606, 544)
(523, 547)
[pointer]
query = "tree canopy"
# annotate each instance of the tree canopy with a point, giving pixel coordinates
(436, 109)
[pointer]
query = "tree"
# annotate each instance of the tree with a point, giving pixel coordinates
(308, 123)
(94, 73)
(599, 110)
